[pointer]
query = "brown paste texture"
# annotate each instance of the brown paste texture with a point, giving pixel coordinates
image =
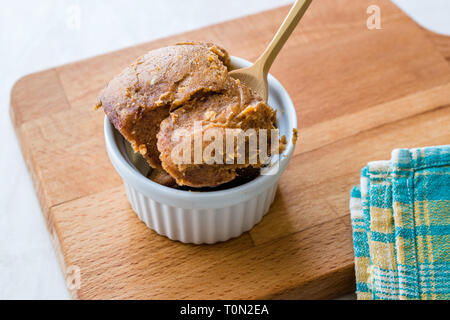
(173, 88)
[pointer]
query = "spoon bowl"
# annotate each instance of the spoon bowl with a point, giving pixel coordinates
(254, 78)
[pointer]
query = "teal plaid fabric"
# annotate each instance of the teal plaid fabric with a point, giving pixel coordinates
(401, 226)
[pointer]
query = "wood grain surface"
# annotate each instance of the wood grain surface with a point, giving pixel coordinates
(359, 94)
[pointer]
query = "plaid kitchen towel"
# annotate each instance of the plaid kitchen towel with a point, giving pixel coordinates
(401, 226)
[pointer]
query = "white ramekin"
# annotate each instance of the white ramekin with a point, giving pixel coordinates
(205, 217)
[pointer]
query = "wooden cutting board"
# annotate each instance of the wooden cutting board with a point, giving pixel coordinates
(359, 94)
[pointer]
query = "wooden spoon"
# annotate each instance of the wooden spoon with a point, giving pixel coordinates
(255, 76)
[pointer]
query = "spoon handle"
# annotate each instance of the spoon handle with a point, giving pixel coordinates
(295, 14)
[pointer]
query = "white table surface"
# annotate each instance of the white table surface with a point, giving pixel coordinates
(36, 35)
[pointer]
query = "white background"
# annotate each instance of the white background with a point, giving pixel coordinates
(36, 35)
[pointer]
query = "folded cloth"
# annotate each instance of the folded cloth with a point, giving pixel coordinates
(401, 226)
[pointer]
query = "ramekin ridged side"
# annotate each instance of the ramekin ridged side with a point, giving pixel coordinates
(205, 217)
(198, 226)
